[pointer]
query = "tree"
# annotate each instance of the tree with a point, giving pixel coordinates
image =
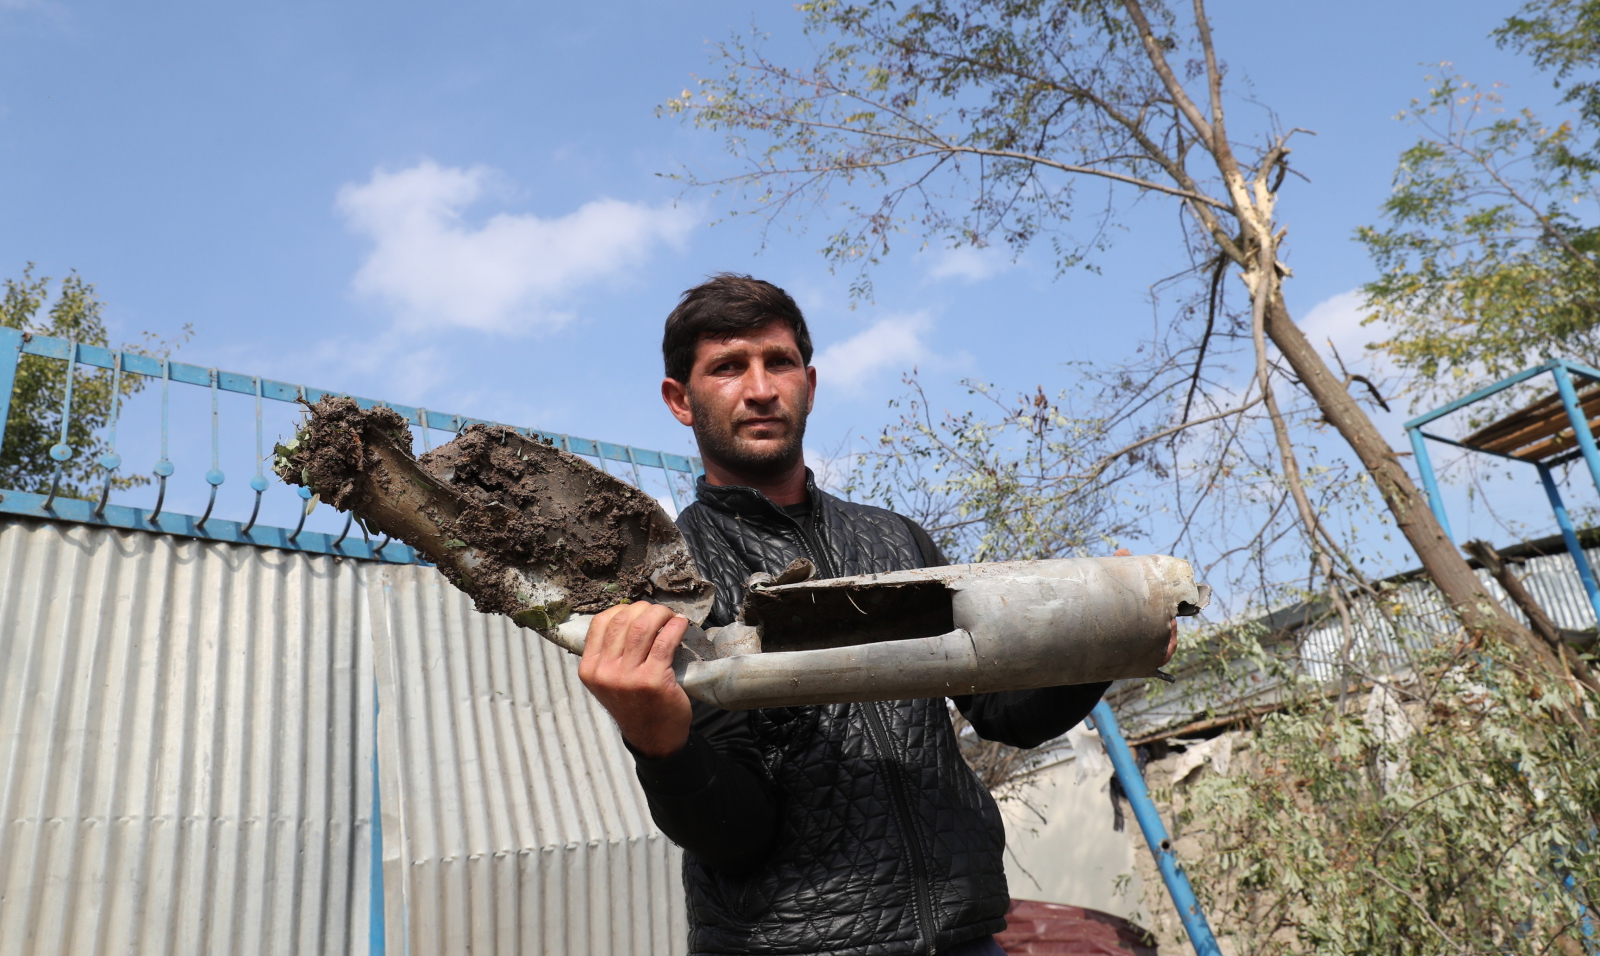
(34, 423)
(1490, 257)
(969, 122)
(1486, 264)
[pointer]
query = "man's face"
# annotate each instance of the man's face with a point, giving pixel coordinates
(747, 399)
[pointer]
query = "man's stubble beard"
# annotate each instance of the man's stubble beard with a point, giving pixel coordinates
(718, 442)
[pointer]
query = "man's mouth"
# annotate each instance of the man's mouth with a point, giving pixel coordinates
(760, 422)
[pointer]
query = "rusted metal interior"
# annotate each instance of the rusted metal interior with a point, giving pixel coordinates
(810, 618)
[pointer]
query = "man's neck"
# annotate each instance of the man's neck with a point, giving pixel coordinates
(790, 489)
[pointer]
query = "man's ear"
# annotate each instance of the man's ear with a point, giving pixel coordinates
(676, 395)
(811, 387)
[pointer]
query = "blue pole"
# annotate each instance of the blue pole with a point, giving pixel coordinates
(1570, 533)
(377, 943)
(1155, 833)
(1419, 451)
(10, 353)
(1580, 422)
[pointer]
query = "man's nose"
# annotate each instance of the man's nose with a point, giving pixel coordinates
(760, 387)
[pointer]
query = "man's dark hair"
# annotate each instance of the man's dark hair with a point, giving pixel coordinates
(725, 305)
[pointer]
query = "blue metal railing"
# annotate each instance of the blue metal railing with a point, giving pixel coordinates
(14, 344)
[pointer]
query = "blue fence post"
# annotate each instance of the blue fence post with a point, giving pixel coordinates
(10, 353)
(1155, 833)
(1430, 484)
(1570, 534)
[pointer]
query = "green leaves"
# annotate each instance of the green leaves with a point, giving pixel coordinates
(1481, 841)
(34, 423)
(1489, 257)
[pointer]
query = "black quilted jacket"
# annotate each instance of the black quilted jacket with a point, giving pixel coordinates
(840, 829)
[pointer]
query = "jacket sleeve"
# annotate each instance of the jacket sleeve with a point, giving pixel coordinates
(713, 797)
(1020, 718)
(1028, 718)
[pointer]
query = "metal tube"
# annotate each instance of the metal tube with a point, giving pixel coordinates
(672, 490)
(111, 461)
(61, 451)
(638, 479)
(214, 477)
(1570, 534)
(1155, 833)
(259, 482)
(1580, 422)
(10, 354)
(163, 467)
(1419, 450)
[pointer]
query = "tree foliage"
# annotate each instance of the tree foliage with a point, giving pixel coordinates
(1456, 814)
(970, 122)
(1490, 258)
(34, 422)
(1019, 478)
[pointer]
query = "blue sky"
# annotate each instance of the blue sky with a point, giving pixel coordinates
(459, 205)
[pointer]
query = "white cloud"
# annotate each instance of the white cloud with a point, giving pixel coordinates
(969, 263)
(893, 342)
(509, 274)
(1338, 319)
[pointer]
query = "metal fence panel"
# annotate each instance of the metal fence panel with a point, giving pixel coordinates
(1417, 617)
(511, 817)
(185, 737)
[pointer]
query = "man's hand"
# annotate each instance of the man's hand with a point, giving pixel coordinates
(627, 666)
(1172, 628)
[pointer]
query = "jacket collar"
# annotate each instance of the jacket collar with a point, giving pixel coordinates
(740, 500)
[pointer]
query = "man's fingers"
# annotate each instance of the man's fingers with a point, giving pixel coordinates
(595, 643)
(668, 639)
(1122, 553)
(639, 632)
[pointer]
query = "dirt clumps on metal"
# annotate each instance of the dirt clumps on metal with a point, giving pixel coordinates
(524, 528)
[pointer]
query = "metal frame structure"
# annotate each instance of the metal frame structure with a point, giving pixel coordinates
(15, 343)
(1155, 832)
(1548, 458)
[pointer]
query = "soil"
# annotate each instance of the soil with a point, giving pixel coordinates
(495, 511)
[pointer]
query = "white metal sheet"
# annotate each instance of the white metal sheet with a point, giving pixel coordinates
(512, 821)
(185, 737)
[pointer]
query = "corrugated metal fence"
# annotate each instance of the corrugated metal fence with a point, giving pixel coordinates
(186, 736)
(512, 819)
(1413, 615)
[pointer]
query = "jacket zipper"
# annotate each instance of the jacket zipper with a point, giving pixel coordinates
(921, 900)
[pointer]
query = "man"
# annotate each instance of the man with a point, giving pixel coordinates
(841, 829)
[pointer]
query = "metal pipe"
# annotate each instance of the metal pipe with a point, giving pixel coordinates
(1580, 422)
(10, 355)
(305, 495)
(163, 467)
(1570, 534)
(259, 482)
(1419, 450)
(111, 461)
(1155, 833)
(214, 477)
(1017, 625)
(61, 452)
